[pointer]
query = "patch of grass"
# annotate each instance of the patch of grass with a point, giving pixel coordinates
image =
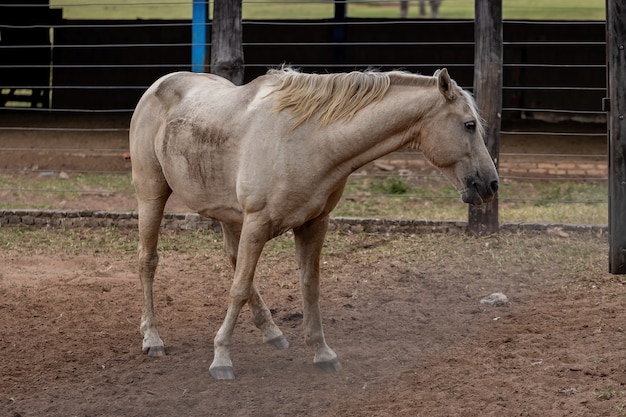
(124, 9)
(554, 9)
(324, 9)
(605, 394)
(47, 190)
(390, 185)
(393, 197)
(281, 244)
(555, 202)
(549, 192)
(433, 198)
(532, 257)
(196, 241)
(70, 241)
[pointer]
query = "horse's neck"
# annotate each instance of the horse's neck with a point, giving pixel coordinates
(384, 127)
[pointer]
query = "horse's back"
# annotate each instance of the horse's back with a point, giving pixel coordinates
(172, 89)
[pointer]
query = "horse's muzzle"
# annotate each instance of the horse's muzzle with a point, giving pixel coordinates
(479, 192)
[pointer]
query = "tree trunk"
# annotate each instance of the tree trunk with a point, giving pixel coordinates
(226, 38)
(616, 88)
(483, 220)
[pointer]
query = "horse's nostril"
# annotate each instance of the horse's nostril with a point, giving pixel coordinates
(494, 185)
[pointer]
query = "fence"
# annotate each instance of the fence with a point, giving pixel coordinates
(68, 88)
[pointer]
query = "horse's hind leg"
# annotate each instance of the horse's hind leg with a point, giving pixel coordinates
(263, 320)
(261, 315)
(309, 240)
(151, 197)
(254, 233)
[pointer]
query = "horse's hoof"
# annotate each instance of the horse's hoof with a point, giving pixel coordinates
(156, 351)
(279, 342)
(329, 366)
(222, 373)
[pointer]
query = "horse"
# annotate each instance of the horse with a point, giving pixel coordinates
(434, 8)
(274, 155)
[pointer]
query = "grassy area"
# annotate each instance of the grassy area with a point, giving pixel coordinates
(72, 241)
(390, 197)
(577, 253)
(433, 198)
(49, 190)
(324, 9)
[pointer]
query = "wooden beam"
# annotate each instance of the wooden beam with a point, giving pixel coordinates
(616, 88)
(226, 40)
(483, 220)
(339, 32)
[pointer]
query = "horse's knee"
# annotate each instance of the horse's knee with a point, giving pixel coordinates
(148, 259)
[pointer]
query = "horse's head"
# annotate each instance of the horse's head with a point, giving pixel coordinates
(451, 137)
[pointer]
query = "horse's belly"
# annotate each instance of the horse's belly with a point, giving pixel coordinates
(211, 205)
(204, 193)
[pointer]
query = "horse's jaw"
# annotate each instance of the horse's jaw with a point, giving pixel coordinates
(471, 197)
(476, 191)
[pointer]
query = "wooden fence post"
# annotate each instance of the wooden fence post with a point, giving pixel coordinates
(616, 89)
(339, 32)
(226, 38)
(483, 220)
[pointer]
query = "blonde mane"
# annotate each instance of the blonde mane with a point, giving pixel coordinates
(341, 96)
(333, 96)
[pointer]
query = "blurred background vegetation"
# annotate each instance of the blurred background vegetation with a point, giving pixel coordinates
(324, 9)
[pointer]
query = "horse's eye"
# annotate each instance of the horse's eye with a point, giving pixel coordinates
(470, 125)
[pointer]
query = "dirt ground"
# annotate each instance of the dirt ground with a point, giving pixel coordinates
(402, 312)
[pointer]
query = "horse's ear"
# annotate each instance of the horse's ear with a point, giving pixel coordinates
(445, 84)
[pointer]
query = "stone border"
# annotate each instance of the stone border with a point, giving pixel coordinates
(86, 218)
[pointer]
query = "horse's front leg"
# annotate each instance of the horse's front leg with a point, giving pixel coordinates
(309, 240)
(253, 237)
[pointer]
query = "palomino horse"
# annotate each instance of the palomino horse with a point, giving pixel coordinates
(273, 156)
